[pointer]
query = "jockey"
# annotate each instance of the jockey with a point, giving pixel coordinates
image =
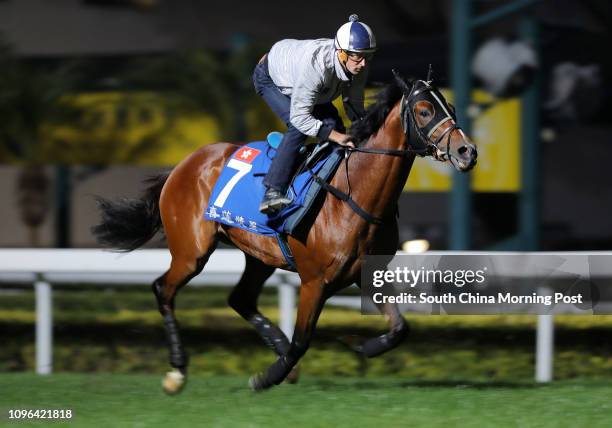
(299, 79)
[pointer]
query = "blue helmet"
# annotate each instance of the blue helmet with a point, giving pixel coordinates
(355, 36)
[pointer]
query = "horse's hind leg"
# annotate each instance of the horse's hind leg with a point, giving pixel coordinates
(165, 288)
(243, 299)
(190, 252)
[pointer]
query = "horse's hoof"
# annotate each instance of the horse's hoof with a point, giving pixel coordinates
(173, 382)
(257, 382)
(293, 376)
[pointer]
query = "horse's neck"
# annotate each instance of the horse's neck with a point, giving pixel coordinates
(377, 180)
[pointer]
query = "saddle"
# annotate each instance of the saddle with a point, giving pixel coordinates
(313, 152)
(239, 189)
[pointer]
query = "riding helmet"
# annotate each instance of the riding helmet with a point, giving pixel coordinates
(355, 36)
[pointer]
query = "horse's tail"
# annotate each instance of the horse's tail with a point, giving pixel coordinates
(128, 224)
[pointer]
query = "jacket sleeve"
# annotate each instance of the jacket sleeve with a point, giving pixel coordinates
(353, 97)
(303, 99)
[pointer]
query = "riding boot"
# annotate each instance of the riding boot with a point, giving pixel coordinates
(274, 201)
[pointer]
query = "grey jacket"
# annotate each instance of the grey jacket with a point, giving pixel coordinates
(310, 73)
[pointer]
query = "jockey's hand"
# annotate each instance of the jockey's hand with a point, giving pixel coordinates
(348, 142)
(342, 139)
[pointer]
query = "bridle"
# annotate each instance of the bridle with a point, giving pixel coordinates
(442, 114)
(421, 90)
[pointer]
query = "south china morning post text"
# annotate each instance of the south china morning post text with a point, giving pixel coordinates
(491, 283)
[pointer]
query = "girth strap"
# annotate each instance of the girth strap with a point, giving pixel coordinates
(286, 250)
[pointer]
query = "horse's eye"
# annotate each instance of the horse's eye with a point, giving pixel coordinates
(424, 113)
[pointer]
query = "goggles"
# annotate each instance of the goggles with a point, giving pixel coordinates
(360, 56)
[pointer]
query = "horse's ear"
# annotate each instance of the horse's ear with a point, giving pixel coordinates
(429, 74)
(401, 82)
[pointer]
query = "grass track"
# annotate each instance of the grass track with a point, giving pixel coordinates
(137, 401)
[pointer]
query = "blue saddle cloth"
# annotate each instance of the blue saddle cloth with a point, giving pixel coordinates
(239, 190)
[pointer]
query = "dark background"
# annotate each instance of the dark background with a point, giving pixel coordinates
(575, 173)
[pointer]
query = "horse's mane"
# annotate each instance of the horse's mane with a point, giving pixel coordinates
(376, 113)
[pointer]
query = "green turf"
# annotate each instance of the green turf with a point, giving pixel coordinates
(137, 401)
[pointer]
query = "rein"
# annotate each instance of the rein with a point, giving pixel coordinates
(430, 148)
(407, 117)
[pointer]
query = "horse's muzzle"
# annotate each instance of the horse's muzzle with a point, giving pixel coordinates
(466, 158)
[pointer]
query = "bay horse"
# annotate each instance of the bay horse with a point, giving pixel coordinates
(357, 217)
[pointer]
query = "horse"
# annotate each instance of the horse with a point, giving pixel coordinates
(355, 218)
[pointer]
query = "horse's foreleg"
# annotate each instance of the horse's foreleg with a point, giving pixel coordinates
(165, 288)
(398, 331)
(243, 299)
(309, 308)
(375, 346)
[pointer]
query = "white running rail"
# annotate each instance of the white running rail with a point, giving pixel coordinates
(43, 267)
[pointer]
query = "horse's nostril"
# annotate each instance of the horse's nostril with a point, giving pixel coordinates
(462, 150)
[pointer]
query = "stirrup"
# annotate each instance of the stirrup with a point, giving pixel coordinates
(273, 202)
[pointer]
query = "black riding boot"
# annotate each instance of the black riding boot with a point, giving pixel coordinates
(273, 202)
